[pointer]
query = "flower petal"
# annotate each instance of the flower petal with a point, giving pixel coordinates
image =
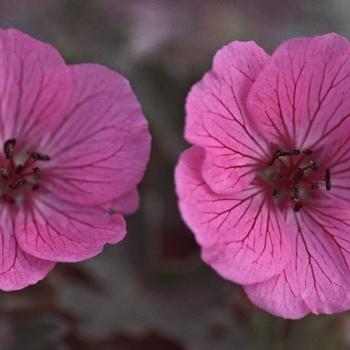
(35, 87)
(100, 149)
(51, 229)
(17, 269)
(243, 236)
(318, 277)
(335, 156)
(217, 118)
(126, 204)
(303, 94)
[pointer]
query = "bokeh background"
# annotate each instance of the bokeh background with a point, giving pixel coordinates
(151, 291)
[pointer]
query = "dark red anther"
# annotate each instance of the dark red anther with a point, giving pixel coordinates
(298, 206)
(38, 156)
(307, 151)
(3, 172)
(298, 175)
(17, 184)
(9, 147)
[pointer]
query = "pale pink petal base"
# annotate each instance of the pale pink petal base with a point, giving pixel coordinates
(55, 230)
(242, 248)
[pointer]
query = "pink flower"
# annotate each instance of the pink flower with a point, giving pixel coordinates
(266, 186)
(75, 145)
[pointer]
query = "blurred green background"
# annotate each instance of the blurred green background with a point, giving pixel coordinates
(151, 291)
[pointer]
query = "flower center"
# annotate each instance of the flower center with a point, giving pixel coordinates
(16, 179)
(295, 176)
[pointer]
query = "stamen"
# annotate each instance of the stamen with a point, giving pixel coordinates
(295, 194)
(281, 153)
(3, 172)
(36, 173)
(315, 186)
(328, 180)
(17, 184)
(275, 155)
(292, 152)
(298, 206)
(298, 175)
(8, 199)
(307, 151)
(313, 165)
(8, 148)
(38, 156)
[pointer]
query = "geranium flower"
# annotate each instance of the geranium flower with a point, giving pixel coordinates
(74, 146)
(266, 186)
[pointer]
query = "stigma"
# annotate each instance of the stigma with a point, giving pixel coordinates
(295, 175)
(19, 179)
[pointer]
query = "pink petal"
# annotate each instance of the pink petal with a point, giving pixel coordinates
(336, 158)
(243, 236)
(318, 277)
(51, 229)
(35, 87)
(100, 149)
(26, 270)
(126, 204)
(217, 118)
(17, 269)
(302, 94)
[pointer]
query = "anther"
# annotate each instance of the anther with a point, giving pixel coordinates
(8, 148)
(17, 184)
(313, 165)
(307, 151)
(275, 155)
(275, 193)
(38, 156)
(295, 194)
(316, 185)
(36, 173)
(8, 199)
(298, 206)
(282, 153)
(328, 180)
(3, 172)
(298, 175)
